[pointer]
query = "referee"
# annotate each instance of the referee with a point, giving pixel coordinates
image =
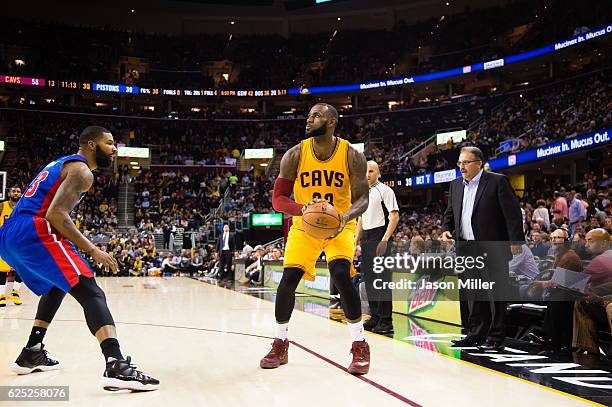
(377, 223)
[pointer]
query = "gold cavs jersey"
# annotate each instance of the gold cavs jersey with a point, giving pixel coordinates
(4, 215)
(327, 179)
(6, 212)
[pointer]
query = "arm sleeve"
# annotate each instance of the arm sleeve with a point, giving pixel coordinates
(281, 198)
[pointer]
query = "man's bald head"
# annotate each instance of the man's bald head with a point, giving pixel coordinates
(558, 236)
(597, 241)
(373, 173)
(598, 234)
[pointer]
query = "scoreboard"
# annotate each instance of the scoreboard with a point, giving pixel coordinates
(20, 80)
(53, 83)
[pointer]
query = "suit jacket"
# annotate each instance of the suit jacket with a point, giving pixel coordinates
(496, 216)
(231, 242)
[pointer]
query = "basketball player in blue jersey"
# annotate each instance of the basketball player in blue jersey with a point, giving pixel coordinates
(40, 242)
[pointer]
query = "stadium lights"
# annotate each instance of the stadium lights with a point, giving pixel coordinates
(132, 11)
(263, 164)
(339, 18)
(134, 162)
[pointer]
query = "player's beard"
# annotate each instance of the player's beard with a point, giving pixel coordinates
(14, 198)
(103, 161)
(319, 131)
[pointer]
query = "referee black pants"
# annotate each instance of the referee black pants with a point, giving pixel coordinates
(381, 306)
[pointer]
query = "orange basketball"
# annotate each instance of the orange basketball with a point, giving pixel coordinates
(320, 220)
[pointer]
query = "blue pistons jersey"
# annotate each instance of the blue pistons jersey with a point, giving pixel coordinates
(40, 193)
(42, 257)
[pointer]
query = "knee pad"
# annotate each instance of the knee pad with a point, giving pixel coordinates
(291, 278)
(340, 268)
(93, 300)
(49, 303)
(349, 296)
(285, 294)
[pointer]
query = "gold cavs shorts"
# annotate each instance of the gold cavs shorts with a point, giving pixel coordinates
(302, 250)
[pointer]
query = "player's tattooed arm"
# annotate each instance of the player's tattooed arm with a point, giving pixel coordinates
(289, 163)
(77, 179)
(359, 184)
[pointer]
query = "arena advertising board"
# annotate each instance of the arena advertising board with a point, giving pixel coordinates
(266, 219)
(583, 142)
(273, 272)
(359, 147)
(431, 303)
(457, 136)
(258, 153)
(133, 152)
(462, 70)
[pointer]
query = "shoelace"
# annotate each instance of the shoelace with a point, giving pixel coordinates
(134, 370)
(46, 357)
(277, 347)
(357, 352)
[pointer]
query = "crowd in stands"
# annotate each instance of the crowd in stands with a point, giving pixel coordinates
(97, 211)
(170, 199)
(545, 208)
(554, 113)
(177, 198)
(528, 119)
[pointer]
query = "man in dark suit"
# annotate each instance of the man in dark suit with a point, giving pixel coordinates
(483, 216)
(225, 247)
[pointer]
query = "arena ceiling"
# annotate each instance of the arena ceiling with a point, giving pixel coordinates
(282, 17)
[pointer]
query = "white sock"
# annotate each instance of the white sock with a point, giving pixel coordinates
(356, 331)
(281, 330)
(16, 286)
(2, 289)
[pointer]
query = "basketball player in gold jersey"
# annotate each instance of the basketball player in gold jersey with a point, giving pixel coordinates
(321, 167)
(7, 208)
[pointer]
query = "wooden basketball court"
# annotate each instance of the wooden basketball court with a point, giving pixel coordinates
(204, 343)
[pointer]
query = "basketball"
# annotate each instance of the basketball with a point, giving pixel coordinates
(321, 220)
